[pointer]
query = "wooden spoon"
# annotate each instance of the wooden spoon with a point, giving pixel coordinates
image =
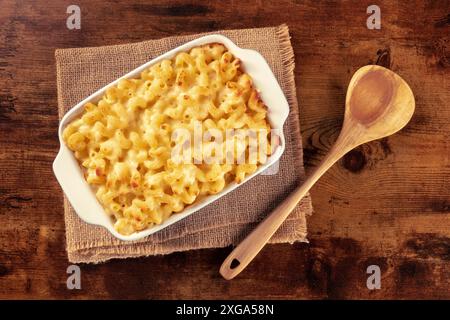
(378, 104)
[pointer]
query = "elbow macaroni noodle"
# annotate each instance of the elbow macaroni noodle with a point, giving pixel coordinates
(185, 129)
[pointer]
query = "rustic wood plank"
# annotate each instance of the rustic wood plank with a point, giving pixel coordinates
(386, 203)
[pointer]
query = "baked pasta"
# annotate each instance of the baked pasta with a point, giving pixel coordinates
(137, 144)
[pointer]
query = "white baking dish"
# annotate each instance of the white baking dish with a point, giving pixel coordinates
(82, 197)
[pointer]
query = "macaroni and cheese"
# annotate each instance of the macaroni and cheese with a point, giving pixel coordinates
(125, 142)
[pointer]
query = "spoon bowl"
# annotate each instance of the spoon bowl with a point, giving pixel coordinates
(378, 103)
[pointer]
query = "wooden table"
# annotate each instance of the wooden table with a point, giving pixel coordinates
(386, 203)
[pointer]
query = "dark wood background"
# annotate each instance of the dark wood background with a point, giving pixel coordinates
(385, 203)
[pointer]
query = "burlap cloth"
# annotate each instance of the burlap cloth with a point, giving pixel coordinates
(82, 71)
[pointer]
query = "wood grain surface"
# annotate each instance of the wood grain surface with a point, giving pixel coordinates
(386, 203)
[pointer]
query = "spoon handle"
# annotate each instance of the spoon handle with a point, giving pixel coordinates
(244, 253)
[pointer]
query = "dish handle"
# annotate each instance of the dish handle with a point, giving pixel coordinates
(77, 190)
